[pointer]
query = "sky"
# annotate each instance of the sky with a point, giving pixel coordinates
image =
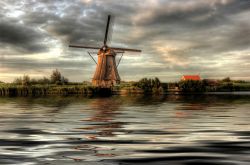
(177, 37)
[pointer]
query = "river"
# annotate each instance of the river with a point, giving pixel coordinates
(170, 129)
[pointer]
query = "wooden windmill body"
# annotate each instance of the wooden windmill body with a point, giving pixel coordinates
(106, 74)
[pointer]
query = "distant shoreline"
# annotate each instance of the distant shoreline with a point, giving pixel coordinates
(82, 90)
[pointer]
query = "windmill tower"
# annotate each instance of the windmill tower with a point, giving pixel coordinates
(106, 73)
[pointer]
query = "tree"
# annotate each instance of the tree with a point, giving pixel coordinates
(227, 79)
(157, 83)
(149, 85)
(192, 86)
(64, 80)
(18, 81)
(44, 80)
(55, 77)
(33, 81)
(26, 80)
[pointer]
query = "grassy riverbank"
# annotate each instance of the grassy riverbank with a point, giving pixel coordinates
(44, 90)
(59, 85)
(128, 88)
(216, 86)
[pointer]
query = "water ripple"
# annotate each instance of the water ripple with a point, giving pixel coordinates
(174, 129)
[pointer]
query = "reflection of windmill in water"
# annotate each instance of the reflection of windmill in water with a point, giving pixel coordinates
(106, 73)
(104, 119)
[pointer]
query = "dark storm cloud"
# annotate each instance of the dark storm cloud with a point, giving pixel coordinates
(78, 22)
(39, 18)
(86, 24)
(25, 63)
(240, 37)
(81, 31)
(72, 23)
(177, 37)
(208, 26)
(194, 13)
(16, 35)
(20, 38)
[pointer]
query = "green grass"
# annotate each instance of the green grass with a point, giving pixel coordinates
(10, 89)
(43, 90)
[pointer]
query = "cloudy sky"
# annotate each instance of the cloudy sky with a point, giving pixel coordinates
(206, 37)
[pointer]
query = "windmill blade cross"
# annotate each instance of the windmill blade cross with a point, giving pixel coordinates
(126, 49)
(107, 30)
(110, 30)
(106, 59)
(119, 61)
(92, 58)
(86, 47)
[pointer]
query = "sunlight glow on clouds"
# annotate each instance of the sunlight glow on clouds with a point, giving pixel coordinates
(166, 53)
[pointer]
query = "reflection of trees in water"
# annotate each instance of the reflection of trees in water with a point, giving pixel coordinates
(55, 104)
(209, 98)
(106, 106)
(203, 102)
(195, 100)
(142, 100)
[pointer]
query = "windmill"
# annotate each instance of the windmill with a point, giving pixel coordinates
(106, 73)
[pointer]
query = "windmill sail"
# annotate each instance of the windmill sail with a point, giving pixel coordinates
(81, 46)
(106, 32)
(106, 74)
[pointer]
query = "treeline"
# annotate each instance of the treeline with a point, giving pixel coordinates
(149, 85)
(224, 85)
(41, 90)
(55, 78)
(56, 84)
(145, 85)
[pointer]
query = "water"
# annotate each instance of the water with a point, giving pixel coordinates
(173, 129)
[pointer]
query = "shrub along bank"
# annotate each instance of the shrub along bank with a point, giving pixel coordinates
(43, 90)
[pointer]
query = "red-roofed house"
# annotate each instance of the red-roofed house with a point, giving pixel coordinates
(191, 77)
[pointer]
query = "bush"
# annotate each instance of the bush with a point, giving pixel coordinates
(26, 80)
(227, 79)
(17, 81)
(57, 78)
(192, 86)
(149, 85)
(44, 80)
